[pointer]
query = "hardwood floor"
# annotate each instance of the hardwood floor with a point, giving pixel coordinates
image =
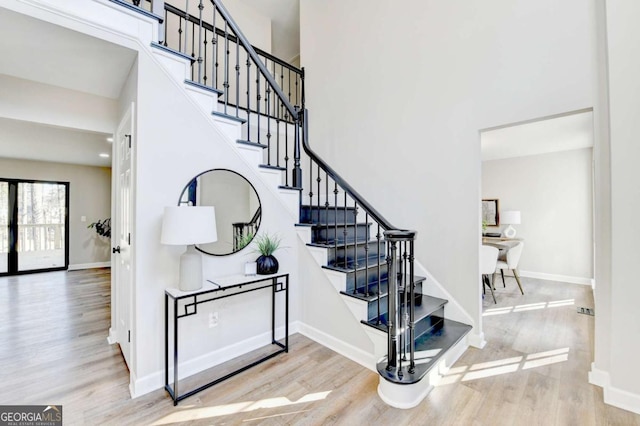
(53, 350)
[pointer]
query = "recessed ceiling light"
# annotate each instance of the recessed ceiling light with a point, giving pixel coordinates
(109, 139)
(104, 155)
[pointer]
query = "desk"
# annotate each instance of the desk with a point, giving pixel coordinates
(214, 290)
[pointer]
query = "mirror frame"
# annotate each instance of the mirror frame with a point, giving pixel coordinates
(186, 187)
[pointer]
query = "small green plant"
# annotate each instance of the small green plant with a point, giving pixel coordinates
(102, 227)
(245, 240)
(484, 225)
(267, 244)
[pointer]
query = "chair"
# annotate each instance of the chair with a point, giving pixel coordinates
(510, 261)
(488, 265)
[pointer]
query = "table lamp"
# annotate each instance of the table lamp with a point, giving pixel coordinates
(511, 217)
(189, 225)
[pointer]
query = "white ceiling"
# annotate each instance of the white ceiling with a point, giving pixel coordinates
(45, 53)
(285, 25)
(41, 142)
(563, 133)
(54, 55)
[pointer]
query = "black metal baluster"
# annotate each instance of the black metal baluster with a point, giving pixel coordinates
(275, 112)
(318, 202)
(355, 246)
(378, 237)
(311, 193)
(405, 302)
(335, 220)
(289, 81)
(205, 61)
(193, 49)
(248, 97)
(366, 258)
(286, 153)
(186, 30)
(412, 314)
(297, 89)
(214, 45)
(258, 98)
(180, 33)
(226, 67)
(345, 231)
(237, 99)
(267, 107)
(326, 201)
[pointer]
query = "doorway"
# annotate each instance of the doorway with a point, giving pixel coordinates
(34, 226)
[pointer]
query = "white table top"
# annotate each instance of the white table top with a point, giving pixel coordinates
(222, 282)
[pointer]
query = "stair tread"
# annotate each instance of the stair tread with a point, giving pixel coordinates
(204, 87)
(330, 246)
(347, 270)
(429, 305)
(430, 348)
(230, 117)
(339, 224)
(307, 206)
(269, 166)
(256, 144)
(291, 188)
(383, 292)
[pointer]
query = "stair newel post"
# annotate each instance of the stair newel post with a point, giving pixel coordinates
(412, 308)
(302, 118)
(402, 271)
(392, 314)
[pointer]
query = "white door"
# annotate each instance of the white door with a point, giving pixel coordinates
(121, 237)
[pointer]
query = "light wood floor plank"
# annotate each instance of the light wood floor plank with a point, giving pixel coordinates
(53, 349)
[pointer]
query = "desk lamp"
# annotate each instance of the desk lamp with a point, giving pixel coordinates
(189, 225)
(511, 217)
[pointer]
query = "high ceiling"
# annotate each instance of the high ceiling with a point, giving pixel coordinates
(561, 133)
(41, 52)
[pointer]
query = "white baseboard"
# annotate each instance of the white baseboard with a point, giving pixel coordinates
(345, 349)
(555, 277)
(112, 338)
(613, 396)
(476, 339)
(154, 381)
(79, 266)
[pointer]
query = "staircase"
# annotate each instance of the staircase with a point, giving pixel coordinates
(369, 261)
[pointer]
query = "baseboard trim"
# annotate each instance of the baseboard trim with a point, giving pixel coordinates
(554, 277)
(345, 349)
(476, 340)
(613, 396)
(112, 338)
(154, 381)
(79, 266)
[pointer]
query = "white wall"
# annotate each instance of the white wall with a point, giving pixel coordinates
(89, 195)
(175, 142)
(416, 82)
(623, 43)
(553, 192)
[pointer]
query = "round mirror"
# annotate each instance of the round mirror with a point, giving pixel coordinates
(237, 205)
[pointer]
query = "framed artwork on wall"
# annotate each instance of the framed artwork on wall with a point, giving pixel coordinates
(490, 214)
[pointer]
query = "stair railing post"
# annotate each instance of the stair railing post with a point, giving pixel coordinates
(412, 308)
(157, 8)
(392, 300)
(302, 116)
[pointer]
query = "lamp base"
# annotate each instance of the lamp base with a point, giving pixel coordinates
(509, 232)
(191, 269)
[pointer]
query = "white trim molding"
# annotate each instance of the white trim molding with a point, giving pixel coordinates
(79, 266)
(345, 349)
(612, 395)
(553, 277)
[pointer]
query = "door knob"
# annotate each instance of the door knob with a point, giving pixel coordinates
(116, 250)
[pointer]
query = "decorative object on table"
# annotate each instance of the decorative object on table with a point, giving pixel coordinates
(511, 217)
(490, 214)
(102, 227)
(189, 225)
(266, 245)
(250, 268)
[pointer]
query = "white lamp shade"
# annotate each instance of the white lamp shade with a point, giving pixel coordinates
(511, 217)
(187, 225)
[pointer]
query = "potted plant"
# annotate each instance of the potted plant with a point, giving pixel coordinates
(102, 227)
(266, 245)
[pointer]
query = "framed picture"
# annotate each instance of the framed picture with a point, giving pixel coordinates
(490, 214)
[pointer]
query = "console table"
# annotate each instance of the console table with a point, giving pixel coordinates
(216, 289)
